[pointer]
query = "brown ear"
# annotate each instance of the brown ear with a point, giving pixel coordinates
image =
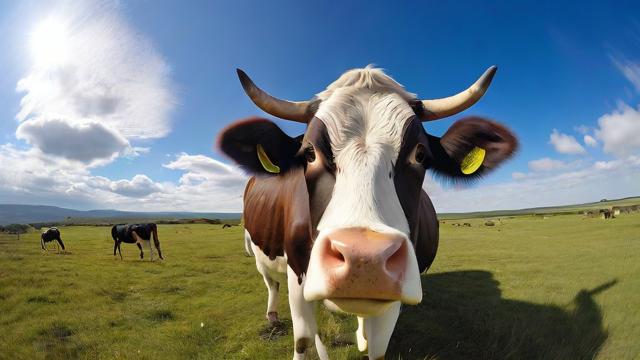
(259, 146)
(472, 135)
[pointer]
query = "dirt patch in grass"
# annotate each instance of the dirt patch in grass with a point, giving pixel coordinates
(40, 299)
(117, 296)
(161, 316)
(173, 290)
(275, 330)
(56, 341)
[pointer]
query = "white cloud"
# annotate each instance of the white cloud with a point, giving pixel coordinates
(619, 131)
(84, 141)
(138, 186)
(612, 179)
(565, 144)
(518, 175)
(29, 176)
(590, 141)
(102, 77)
(200, 164)
(546, 164)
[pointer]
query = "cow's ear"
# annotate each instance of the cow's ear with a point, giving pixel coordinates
(259, 146)
(470, 148)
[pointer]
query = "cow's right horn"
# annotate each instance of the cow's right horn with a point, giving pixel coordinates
(300, 111)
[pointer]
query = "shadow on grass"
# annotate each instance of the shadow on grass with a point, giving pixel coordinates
(463, 316)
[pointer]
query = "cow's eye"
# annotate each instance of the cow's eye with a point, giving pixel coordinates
(420, 153)
(310, 154)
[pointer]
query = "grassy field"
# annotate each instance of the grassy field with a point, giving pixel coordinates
(564, 287)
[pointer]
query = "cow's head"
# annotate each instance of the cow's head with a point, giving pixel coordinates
(363, 159)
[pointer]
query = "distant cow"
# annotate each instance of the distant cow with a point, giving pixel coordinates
(226, 226)
(136, 234)
(49, 235)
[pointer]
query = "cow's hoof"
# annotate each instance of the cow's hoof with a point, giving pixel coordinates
(273, 317)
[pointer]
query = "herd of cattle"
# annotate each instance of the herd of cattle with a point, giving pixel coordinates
(338, 213)
(138, 234)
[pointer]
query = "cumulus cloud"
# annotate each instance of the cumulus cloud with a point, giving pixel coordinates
(138, 186)
(102, 78)
(590, 141)
(619, 131)
(591, 182)
(546, 164)
(84, 141)
(565, 144)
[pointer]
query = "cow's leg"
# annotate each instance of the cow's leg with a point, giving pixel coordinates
(378, 330)
(139, 242)
(119, 250)
(150, 249)
(141, 252)
(59, 240)
(156, 242)
(272, 304)
(302, 316)
(360, 337)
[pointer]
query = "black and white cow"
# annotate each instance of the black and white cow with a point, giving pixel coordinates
(49, 235)
(136, 234)
(339, 213)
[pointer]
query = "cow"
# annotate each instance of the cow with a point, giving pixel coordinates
(51, 234)
(136, 234)
(338, 213)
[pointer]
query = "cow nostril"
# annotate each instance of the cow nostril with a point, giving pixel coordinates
(396, 263)
(333, 255)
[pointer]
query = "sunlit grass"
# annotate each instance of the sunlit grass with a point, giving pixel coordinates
(526, 288)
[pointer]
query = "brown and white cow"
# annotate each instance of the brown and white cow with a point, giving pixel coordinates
(339, 213)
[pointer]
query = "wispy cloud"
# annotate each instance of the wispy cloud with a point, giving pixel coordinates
(630, 70)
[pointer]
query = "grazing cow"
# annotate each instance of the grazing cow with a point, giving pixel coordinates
(226, 226)
(339, 213)
(51, 234)
(136, 234)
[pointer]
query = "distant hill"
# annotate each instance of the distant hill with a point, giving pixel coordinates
(545, 210)
(28, 214)
(24, 214)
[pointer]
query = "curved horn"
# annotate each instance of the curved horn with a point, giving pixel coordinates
(440, 108)
(300, 111)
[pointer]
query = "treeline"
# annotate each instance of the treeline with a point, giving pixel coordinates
(15, 228)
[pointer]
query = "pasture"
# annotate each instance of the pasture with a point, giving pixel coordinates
(564, 287)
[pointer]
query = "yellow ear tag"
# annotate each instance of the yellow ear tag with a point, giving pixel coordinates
(472, 162)
(265, 161)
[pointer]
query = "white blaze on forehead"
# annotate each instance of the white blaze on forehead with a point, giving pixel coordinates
(365, 112)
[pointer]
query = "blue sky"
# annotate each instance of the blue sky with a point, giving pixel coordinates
(117, 104)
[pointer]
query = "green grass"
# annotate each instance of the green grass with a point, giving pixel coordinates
(559, 288)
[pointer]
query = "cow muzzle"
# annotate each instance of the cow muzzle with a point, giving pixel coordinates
(359, 270)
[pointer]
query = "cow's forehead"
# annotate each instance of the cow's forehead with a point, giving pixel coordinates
(366, 118)
(365, 106)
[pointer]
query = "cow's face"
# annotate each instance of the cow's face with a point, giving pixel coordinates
(363, 158)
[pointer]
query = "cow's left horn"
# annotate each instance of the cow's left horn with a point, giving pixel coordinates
(300, 111)
(440, 108)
